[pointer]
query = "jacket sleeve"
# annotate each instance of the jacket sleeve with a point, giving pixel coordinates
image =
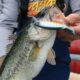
(75, 6)
(0, 6)
(9, 12)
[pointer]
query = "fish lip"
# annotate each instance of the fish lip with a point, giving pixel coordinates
(36, 34)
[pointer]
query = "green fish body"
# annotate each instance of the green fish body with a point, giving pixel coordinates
(28, 54)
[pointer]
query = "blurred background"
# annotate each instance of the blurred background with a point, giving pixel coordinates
(74, 50)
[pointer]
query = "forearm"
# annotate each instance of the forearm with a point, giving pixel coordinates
(75, 6)
(73, 20)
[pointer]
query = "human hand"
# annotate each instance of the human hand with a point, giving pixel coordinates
(73, 20)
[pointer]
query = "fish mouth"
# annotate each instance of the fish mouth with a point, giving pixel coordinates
(36, 33)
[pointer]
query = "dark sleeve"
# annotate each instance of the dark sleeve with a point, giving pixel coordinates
(75, 6)
(60, 4)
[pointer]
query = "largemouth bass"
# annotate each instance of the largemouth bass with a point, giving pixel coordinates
(29, 52)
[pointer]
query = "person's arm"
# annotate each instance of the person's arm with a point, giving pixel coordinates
(0, 6)
(8, 21)
(73, 20)
(9, 12)
(75, 6)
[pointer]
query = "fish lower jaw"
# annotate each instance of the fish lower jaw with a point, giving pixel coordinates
(42, 55)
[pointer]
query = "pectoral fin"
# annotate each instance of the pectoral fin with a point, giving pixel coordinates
(51, 57)
(34, 53)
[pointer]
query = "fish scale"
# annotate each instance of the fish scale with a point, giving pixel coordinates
(13, 64)
(20, 60)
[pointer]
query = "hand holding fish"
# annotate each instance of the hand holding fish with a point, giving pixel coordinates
(74, 21)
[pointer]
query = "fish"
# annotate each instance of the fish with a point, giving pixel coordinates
(29, 52)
